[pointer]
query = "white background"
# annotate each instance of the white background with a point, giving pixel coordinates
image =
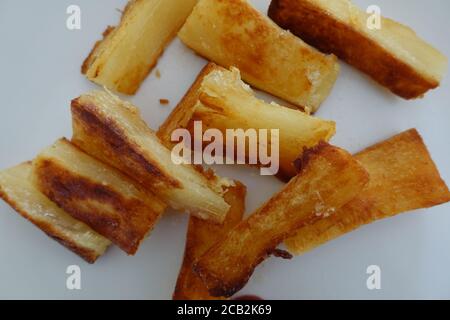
(40, 73)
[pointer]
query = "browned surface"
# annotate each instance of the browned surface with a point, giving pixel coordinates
(129, 80)
(403, 177)
(182, 114)
(125, 220)
(329, 179)
(234, 33)
(54, 231)
(201, 235)
(324, 32)
(104, 139)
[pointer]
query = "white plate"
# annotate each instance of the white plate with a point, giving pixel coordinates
(40, 73)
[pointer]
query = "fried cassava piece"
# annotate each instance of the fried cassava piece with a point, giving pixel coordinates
(393, 54)
(403, 177)
(220, 100)
(201, 235)
(233, 33)
(17, 189)
(113, 131)
(97, 194)
(329, 178)
(127, 53)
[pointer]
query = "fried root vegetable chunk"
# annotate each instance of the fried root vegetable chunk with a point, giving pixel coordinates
(201, 235)
(127, 53)
(329, 178)
(233, 33)
(391, 53)
(17, 189)
(97, 194)
(403, 177)
(113, 131)
(220, 100)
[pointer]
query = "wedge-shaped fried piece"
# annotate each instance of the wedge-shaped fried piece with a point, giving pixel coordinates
(220, 100)
(403, 177)
(97, 194)
(113, 131)
(394, 55)
(23, 196)
(127, 53)
(328, 179)
(201, 236)
(233, 33)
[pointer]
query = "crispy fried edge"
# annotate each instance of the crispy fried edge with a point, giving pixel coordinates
(181, 115)
(321, 30)
(201, 235)
(65, 188)
(87, 121)
(50, 230)
(371, 205)
(132, 86)
(251, 73)
(219, 285)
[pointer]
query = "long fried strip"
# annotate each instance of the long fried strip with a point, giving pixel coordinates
(23, 196)
(220, 100)
(403, 177)
(233, 33)
(201, 235)
(113, 131)
(97, 194)
(127, 53)
(391, 53)
(328, 179)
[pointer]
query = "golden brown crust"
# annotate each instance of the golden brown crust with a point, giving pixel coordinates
(92, 55)
(181, 115)
(220, 100)
(403, 177)
(105, 136)
(145, 30)
(51, 229)
(201, 235)
(268, 57)
(323, 31)
(125, 220)
(88, 255)
(329, 179)
(113, 131)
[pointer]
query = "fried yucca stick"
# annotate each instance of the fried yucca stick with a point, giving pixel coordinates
(403, 177)
(328, 179)
(127, 53)
(394, 55)
(222, 101)
(201, 235)
(233, 33)
(97, 194)
(113, 131)
(23, 196)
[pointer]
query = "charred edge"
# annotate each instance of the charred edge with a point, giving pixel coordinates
(91, 57)
(218, 288)
(396, 75)
(116, 139)
(308, 153)
(60, 187)
(88, 255)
